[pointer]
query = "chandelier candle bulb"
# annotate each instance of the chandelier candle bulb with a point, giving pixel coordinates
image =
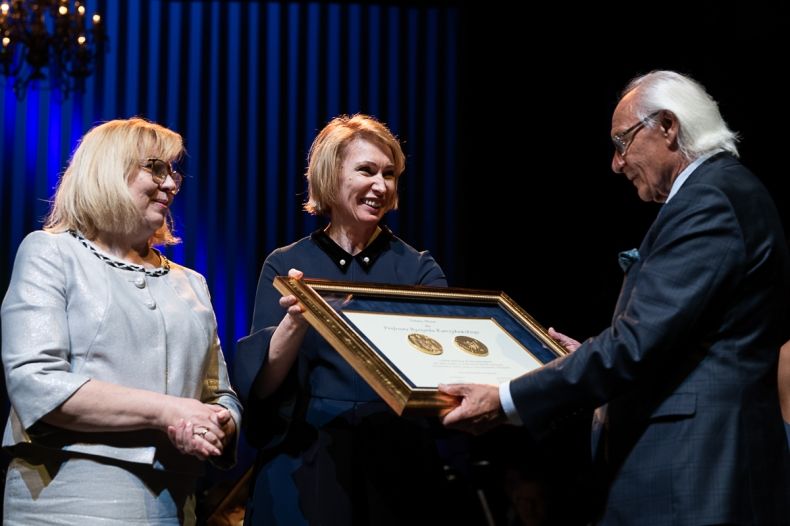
(49, 36)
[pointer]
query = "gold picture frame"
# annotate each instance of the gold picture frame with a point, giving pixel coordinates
(405, 340)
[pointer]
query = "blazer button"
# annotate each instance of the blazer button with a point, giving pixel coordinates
(151, 304)
(139, 282)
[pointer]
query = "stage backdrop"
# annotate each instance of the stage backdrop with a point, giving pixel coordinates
(248, 84)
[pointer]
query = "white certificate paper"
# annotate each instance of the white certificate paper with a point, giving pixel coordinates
(506, 357)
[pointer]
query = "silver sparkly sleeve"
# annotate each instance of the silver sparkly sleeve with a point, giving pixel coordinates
(35, 344)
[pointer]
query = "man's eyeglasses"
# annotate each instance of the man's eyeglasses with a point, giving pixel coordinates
(624, 139)
(160, 170)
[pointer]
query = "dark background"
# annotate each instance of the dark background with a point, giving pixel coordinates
(505, 116)
(538, 102)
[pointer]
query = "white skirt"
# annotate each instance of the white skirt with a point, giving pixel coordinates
(84, 491)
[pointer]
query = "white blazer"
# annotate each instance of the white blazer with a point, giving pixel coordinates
(69, 317)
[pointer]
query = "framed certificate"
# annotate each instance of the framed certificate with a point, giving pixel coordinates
(406, 340)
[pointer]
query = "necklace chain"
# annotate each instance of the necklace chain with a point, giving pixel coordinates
(161, 271)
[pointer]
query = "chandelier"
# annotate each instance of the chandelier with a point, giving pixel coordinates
(51, 34)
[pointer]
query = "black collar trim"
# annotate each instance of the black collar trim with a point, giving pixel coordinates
(342, 259)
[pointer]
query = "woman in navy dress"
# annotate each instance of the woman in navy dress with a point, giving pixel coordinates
(330, 450)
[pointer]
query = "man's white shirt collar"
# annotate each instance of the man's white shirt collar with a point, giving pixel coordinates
(688, 170)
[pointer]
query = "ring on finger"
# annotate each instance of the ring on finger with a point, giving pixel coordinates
(201, 433)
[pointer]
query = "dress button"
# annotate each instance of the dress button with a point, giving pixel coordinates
(342, 262)
(139, 282)
(151, 304)
(366, 259)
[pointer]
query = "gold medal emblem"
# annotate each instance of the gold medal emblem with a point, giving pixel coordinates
(424, 343)
(471, 345)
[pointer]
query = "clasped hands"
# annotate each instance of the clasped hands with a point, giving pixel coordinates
(203, 430)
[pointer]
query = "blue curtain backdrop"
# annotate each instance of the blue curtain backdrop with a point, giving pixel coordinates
(248, 84)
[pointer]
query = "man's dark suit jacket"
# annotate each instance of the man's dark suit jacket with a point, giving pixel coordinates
(693, 433)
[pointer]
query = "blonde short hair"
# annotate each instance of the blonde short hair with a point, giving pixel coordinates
(93, 193)
(326, 157)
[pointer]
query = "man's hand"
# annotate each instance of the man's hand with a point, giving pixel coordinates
(566, 341)
(479, 409)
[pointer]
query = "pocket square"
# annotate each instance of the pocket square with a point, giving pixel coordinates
(627, 258)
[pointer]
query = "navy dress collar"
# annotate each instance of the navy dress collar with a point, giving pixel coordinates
(342, 259)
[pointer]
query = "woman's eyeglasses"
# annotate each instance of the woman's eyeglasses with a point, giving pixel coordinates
(160, 169)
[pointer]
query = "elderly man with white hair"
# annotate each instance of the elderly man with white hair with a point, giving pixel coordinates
(688, 428)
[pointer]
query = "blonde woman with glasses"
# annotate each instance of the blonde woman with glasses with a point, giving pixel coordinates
(117, 382)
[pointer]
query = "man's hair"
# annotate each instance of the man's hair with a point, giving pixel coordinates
(702, 128)
(93, 193)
